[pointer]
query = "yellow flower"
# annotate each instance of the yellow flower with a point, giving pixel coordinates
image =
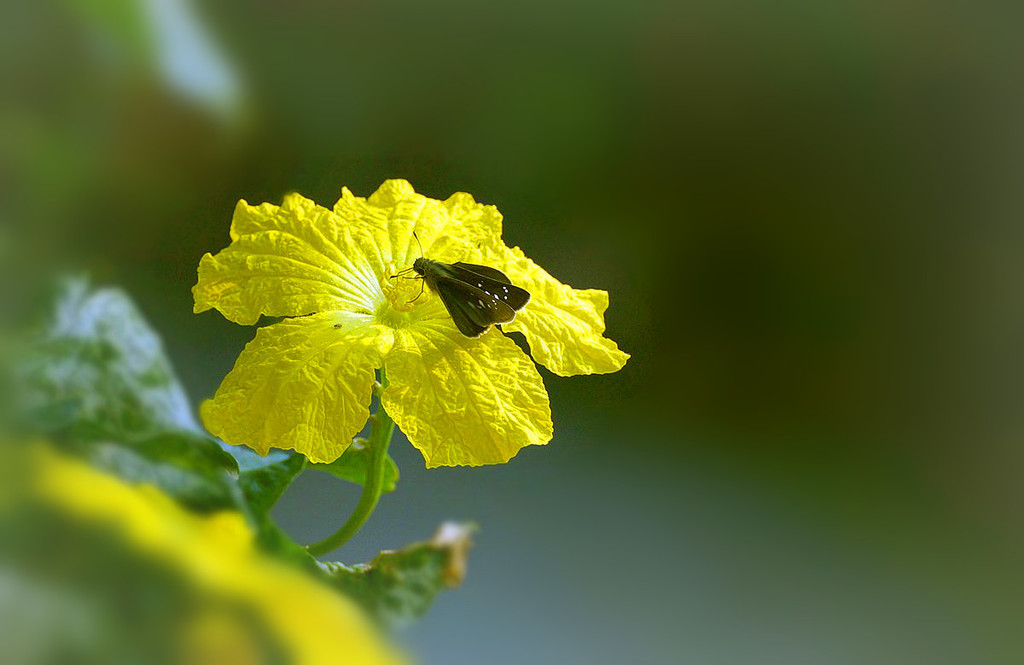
(305, 383)
(219, 559)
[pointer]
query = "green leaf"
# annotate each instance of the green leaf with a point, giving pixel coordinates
(96, 370)
(263, 484)
(192, 450)
(397, 587)
(354, 462)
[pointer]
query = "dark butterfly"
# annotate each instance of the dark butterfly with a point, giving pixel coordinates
(476, 297)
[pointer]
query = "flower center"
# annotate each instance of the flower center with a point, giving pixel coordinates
(402, 296)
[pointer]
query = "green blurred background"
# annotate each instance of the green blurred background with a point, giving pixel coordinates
(808, 216)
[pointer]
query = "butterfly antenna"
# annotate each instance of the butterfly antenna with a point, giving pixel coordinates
(403, 273)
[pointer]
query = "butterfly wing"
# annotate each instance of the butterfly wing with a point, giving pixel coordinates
(472, 309)
(492, 282)
(486, 271)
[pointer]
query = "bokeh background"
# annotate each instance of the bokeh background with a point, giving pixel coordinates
(808, 216)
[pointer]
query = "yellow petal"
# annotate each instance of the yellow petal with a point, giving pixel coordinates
(302, 384)
(564, 326)
(218, 557)
(448, 230)
(290, 260)
(464, 401)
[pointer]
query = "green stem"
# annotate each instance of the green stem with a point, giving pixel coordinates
(381, 428)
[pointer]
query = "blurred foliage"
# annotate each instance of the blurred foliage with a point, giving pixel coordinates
(76, 591)
(76, 528)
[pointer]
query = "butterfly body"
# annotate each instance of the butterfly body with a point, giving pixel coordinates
(475, 296)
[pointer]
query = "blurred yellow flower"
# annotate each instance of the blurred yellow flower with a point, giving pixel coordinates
(217, 555)
(305, 383)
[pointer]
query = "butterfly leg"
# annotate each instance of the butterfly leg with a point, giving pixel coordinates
(422, 284)
(401, 273)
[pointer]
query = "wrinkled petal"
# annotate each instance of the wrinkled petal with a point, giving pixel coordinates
(302, 384)
(563, 326)
(291, 260)
(464, 401)
(448, 231)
